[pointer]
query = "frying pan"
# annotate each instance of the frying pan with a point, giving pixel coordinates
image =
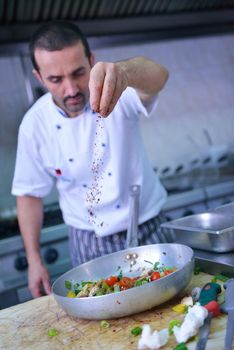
(130, 261)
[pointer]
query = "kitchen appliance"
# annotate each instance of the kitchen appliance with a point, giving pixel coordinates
(13, 261)
(211, 231)
(133, 300)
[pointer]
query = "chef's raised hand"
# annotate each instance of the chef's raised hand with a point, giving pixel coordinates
(109, 80)
(106, 84)
(38, 280)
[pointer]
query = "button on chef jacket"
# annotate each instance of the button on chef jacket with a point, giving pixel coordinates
(93, 161)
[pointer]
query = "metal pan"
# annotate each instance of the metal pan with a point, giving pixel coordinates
(212, 231)
(133, 300)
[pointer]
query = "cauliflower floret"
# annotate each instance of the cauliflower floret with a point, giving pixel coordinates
(152, 339)
(192, 322)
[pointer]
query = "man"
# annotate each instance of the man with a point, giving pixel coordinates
(93, 160)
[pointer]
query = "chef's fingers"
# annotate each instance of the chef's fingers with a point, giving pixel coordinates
(47, 285)
(119, 88)
(109, 89)
(96, 80)
(35, 289)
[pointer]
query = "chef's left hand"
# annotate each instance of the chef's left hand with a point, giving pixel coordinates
(106, 84)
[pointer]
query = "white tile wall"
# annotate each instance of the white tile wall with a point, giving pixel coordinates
(198, 95)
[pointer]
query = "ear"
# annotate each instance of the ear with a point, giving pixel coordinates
(38, 76)
(92, 59)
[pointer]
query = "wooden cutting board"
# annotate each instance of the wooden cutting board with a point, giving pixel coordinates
(25, 326)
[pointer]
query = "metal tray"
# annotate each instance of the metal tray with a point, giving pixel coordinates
(227, 209)
(212, 231)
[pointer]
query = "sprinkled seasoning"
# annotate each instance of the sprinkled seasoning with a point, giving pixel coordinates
(93, 195)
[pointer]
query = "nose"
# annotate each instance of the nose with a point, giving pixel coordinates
(71, 88)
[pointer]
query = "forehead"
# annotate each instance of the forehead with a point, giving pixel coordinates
(69, 58)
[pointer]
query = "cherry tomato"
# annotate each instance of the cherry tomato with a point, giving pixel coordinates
(111, 280)
(155, 276)
(126, 283)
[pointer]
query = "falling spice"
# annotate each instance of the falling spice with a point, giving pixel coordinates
(93, 194)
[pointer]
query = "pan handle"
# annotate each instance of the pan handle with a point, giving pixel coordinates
(134, 194)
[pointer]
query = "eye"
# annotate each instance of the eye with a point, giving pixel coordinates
(55, 80)
(79, 73)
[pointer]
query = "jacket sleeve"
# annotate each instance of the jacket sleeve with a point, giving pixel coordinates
(30, 178)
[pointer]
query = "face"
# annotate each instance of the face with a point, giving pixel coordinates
(65, 74)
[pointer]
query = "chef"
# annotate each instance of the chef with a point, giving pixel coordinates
(84, 136)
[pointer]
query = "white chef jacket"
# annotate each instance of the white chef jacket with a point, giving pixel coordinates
(92, 160)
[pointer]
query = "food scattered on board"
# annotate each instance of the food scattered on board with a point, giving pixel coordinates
(152, 339)
(205, 300)
(104, 324)
(195, 306)
(181, 346)
(136, 331)
(114, 284)
(193, 320)
(172, 324)
(52, 332)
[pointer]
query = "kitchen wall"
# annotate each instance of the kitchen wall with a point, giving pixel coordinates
(199, 95)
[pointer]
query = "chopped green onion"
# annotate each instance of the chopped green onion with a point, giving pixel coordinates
(68, 284)
(105, 286)
(104, 324)
(156, 266)
(172, 324)
(181, 346)
(140, 282)
(52, 332)
(84, 283)
(120, 275)
(136, 331)
(219, 277)
(99, 293)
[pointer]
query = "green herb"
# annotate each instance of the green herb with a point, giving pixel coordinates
(156, 266)
(181, 346)
(52, 332)
(99, 293)
(105, 286)
(172, 324)
(104, 324)
(68, 285)
(120, 275)
(219, 277)
(136, 331)
(197, 270)
(140, 282)
(84, 283)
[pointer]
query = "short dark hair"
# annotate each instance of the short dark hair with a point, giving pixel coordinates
(56, 35)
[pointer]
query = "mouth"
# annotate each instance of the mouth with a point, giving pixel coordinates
(73, 101)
